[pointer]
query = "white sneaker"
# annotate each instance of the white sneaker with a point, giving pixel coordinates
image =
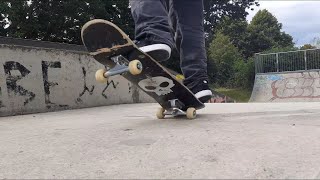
(202, 91)
(159, 52)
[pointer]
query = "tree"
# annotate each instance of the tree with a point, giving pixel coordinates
(223, 55)
(61, 21)
(264, 32)
(216, 10)
(244, 74)
(3, 9)
(226, 65)
(307, 46)
(236, 30)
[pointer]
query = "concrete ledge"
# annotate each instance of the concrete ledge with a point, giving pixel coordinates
(43, 79)
(300, 86)
(40, 44)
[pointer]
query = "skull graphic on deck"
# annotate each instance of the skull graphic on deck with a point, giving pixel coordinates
(159, 85)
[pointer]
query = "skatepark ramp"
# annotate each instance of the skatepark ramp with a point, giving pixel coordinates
(43, 76)
(287, 77)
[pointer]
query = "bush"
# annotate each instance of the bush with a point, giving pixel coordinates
(244, 74)
(240, 79)
(222, 56)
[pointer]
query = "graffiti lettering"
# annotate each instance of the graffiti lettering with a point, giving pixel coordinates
(47, 84)
(305, 86)
(1, 104)
(85, 87)
(114, 85)
(11, 80)
(130, 87)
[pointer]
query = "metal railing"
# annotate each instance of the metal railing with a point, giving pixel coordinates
(288, 61)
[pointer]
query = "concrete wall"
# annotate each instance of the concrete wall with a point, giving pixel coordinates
(40, 77)
(287, 87)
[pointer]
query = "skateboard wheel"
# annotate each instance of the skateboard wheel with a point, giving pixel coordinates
(100, 76)
(135, 67)
(191, 113)
(160, 113)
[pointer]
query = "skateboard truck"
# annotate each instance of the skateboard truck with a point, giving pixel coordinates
(176, 110)
(122, 66)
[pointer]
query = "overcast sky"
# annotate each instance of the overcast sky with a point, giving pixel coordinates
(300, 19)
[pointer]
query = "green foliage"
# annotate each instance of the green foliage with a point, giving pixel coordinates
(307, 46)
(3, 10)
(251, 73)
(222, 50)
(223, 54)
(236, 30)
(61, 21)
(212, 71)
(244, 74)
(264, 33)
(227, 67)
(279, 49)
(216, 10)
(240, 76)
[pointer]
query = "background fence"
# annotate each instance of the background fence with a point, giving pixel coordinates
(288, 61)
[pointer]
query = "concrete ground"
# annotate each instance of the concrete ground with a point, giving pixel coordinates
(127, 141)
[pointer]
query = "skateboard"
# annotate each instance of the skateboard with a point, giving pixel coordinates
(110, 46)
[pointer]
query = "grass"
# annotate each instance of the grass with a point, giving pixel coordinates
(239, 95)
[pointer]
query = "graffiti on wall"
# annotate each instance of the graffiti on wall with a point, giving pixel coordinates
(113, 85)
(12, 81)
(16, 73)
(306, 85)
(1, 103)
(48, 84)
(91, 88)
(85, 86)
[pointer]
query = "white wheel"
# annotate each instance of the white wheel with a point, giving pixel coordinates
(100, 76)
(160, 113)
(191, 113)
(135, 67)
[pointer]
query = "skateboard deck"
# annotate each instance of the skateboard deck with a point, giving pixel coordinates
(110, 46)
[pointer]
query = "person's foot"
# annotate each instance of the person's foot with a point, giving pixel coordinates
(202, 91)
(159, 52)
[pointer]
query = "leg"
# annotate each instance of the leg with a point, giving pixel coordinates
(151, 24)
(191, 43)
(176, 32)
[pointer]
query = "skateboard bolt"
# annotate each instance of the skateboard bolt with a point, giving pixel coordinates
(139, 66)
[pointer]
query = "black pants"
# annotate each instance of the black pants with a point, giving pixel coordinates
(179, 24)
